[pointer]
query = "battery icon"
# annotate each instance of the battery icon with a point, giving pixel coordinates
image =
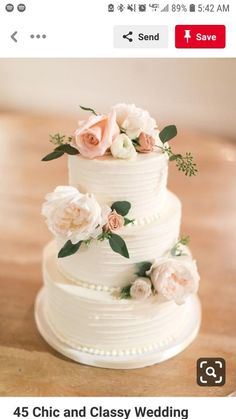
(192, 8)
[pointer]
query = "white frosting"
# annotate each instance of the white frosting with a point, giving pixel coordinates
(98, 264)
(96, 322)
(141, 181)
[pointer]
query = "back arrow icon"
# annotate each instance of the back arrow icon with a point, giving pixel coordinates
(13, 36)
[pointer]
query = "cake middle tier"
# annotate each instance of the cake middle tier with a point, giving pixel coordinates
(141, 181)
(98, 265)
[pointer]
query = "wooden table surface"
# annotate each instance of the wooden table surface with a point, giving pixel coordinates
(28, 366)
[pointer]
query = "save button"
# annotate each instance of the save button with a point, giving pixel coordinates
(200, 36)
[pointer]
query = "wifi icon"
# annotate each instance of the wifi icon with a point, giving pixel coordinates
(165, 9)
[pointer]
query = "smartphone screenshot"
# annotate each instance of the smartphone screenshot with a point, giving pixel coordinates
(117, 209)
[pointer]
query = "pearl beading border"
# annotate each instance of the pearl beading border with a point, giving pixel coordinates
(83, 284)
(112, 352)
(143, 220)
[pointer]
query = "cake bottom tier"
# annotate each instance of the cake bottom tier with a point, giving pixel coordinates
(96, 328)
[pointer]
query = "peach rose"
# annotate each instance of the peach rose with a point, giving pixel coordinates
(145, 143)
(95, 136)
(115, 221)
(175, 279)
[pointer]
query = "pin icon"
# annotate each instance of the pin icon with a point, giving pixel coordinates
(187, 35)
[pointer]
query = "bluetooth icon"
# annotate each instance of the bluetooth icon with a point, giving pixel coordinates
(121, 7)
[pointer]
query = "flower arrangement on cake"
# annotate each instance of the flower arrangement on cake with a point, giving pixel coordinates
(79, 219)
(124, 132)
(173, 277)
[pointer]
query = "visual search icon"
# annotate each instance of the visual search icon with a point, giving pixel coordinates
(211, 372)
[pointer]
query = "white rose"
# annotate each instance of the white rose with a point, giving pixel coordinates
(122, 147)
(175, 279)
(134, 120)
(141, 289)
(72, 215)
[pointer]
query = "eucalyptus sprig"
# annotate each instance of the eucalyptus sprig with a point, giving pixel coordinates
(63, 146)
(177, 248)
(184, 163)
(59, 139)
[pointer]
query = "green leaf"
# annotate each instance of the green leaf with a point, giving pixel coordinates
(88, 109)
(121, 207)
(128, 221)
(118, 245)
(70, 150)
(168, 133)
(54, 155)
(143, 267)
(125, 292)
(69, 249)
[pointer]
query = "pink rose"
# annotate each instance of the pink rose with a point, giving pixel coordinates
(145, 143)
(115, 221)
(95, 136)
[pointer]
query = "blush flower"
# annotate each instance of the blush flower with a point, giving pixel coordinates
(72, 215)
(115, 221)
(146, 143)
(141, 289)
(175, 279)
(95, 136)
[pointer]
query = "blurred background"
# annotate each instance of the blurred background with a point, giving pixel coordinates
(196, 93)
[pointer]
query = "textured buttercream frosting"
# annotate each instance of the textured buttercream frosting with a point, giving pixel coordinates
(141, 181)
(98, 264)
(94, 320)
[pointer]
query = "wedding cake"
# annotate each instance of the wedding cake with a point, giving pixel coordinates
(120, 283)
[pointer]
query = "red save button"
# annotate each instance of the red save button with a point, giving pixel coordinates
(200, 36)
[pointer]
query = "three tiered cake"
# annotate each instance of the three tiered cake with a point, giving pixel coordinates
(119, 282)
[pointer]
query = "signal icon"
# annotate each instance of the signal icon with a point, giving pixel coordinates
(165, 9)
